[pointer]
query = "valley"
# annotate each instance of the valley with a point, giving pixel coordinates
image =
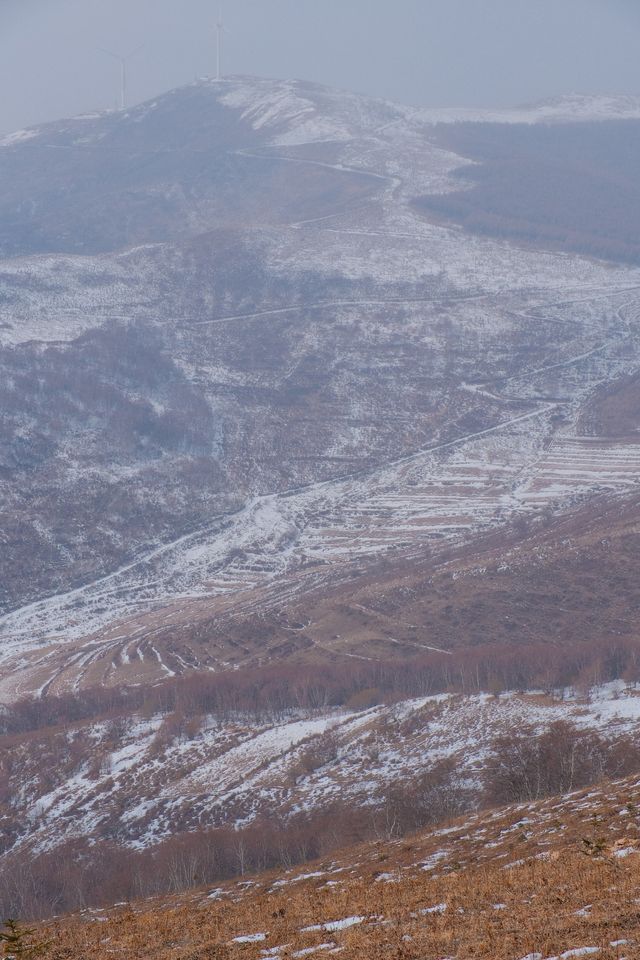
(377, 388)
(319, 526)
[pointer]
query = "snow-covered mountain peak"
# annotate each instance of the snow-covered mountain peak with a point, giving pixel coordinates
(569, 108)
(586, 107)
(292, 112)
(283, 112)
(285, 109)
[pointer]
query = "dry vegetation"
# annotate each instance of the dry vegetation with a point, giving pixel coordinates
(47, 868)
(543, 580)
(541, 879)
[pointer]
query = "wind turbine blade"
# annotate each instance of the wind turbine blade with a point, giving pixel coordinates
(134, 52)
(110, 53)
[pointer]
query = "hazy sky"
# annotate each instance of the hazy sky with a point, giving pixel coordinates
(432, 52)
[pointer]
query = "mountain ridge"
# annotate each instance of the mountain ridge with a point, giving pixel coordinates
(244, 87)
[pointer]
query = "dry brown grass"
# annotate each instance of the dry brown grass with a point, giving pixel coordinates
(540, 899)
(542, 878)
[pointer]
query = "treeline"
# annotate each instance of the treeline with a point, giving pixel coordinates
(523, 767)
(274, 691)
(573, 187)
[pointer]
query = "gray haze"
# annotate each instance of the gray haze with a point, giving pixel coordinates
(431, 52)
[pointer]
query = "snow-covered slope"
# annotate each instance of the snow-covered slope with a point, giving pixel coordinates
(287, 372)
(151, 778)
(572, 108)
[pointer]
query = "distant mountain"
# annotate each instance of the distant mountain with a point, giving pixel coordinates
(238, 363)
(571, 108)
(172, 168)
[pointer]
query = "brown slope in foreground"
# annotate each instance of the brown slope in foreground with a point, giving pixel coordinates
(553, 879)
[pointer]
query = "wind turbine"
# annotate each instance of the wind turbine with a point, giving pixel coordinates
(123, 61)
(220, 32)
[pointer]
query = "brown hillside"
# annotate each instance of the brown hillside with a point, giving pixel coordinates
(543, 879)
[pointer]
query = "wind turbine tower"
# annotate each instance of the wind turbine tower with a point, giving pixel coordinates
(219, 39)
(123, 61)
